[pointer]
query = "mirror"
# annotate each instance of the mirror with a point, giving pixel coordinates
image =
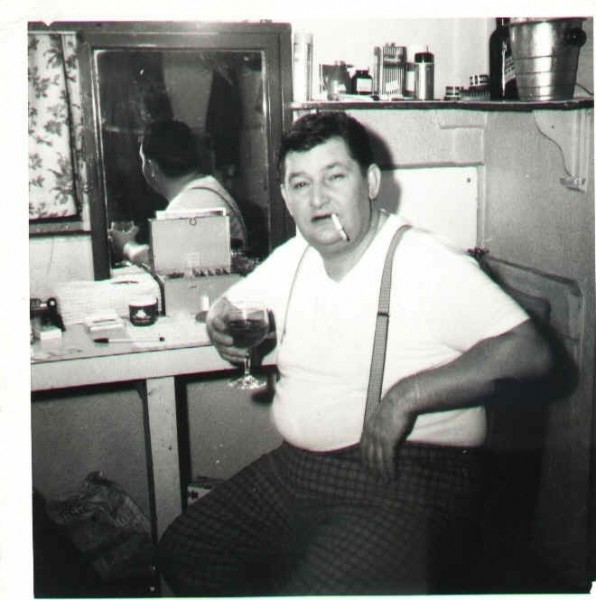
(229, 83)
(219, 95)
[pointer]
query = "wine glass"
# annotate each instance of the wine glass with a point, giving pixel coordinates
(124, 226)
(248, 323)
(117, 230)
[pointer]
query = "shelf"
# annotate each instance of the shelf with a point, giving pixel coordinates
(485, 105)
(454, 131)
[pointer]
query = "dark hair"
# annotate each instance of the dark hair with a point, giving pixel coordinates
(173, 146)
(316, 128)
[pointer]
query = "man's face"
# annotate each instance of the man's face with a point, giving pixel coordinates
(323, 181)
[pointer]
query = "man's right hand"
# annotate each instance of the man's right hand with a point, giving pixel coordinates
(119, 239)
(217, 331)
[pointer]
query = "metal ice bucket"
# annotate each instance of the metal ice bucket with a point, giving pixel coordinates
(545, 54)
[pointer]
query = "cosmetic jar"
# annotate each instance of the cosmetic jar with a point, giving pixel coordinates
(143, 310)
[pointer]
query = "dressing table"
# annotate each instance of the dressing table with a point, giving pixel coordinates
(76, 360)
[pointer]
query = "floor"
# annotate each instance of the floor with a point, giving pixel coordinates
(61, 571)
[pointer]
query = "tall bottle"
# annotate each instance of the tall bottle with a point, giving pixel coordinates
(503, 85)
(302, 70)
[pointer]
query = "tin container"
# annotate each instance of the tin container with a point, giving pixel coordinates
(390, 69)
(424, 87)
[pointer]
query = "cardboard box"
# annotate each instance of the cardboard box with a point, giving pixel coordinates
(185, 244)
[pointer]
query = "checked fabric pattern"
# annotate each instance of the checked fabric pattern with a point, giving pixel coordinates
(297, 522)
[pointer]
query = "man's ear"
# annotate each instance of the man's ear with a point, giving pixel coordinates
(152, 167)
(282, 189)
(373, 181)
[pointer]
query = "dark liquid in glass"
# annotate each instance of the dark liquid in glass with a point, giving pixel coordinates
(247, 332)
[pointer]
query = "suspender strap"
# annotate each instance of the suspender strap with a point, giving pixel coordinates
(377, 365)
(233, 209)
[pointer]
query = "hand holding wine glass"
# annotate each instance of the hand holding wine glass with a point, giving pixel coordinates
(119, 234)
(125, 226)
(247, 322)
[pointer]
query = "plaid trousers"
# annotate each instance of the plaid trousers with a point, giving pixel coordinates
(297, 522)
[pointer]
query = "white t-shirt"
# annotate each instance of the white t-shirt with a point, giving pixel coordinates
(207, 192)
(441, 305)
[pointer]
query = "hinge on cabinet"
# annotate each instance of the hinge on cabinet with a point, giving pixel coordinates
(477, 252)
(569, 131)
(573, 183)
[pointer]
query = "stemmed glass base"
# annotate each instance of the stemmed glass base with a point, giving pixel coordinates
(247, 381)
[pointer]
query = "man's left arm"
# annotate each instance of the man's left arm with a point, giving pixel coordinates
(520, 354)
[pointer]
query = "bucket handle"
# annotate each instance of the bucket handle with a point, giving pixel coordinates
(575, 36)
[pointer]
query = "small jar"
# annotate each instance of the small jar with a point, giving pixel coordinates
(142, 310)
(362, 83)
(453, 92)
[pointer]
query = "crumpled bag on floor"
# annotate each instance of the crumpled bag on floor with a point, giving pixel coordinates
(108, 528)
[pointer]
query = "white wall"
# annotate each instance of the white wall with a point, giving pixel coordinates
(460, 45)
(54, 259)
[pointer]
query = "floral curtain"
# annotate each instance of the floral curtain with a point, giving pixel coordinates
(57, 171)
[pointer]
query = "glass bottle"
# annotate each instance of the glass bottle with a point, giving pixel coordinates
(503, 85)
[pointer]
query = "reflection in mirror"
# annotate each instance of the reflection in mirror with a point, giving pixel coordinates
(218, 94)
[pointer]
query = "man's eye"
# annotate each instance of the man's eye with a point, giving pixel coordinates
(337, 176)
(298, 185)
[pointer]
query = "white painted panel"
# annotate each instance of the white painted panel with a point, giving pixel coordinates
(441, 199)
(55, 259)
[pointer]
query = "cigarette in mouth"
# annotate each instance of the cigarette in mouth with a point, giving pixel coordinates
(340, 228)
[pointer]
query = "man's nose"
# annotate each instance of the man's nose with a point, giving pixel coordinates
(318, 196)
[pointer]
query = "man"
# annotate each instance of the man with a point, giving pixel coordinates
(171, 166)
(342, 506)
